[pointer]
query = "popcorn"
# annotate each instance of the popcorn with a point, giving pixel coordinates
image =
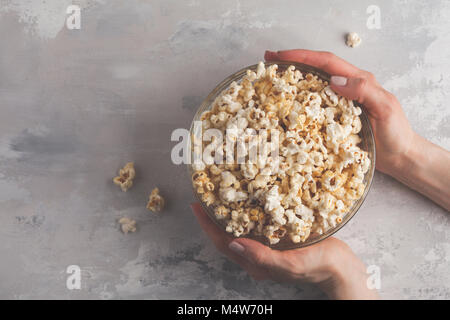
(240, 223)
(336, 134)
(155, 202)
(215, 170)
(329, 96)
(209, 198)
(274, 233)
(126, 176)
(228, 179)
(127, 225)
(198, 166)
(318, 171)
(230, 194)
(222, 212)
(298, 228)
(327, 204)
(353, 39)
(273, 205)
(249, 170)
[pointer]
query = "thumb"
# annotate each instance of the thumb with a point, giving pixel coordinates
(376, 100)
(257, 253)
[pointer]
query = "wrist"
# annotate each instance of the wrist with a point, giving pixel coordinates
(401, 165)
(347, 278)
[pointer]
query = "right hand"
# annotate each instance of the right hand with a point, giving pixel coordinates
(393, 134)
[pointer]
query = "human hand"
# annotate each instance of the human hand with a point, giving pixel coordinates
(393, 134)
(330, 263)
(401, 152)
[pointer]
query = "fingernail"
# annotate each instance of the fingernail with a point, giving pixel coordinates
(270, 55)
(236, 248)
(339, 81)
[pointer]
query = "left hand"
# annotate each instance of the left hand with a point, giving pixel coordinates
(330, 263)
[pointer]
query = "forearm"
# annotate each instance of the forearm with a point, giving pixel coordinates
(426, 169)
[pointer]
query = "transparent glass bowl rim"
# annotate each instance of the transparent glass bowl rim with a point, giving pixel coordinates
(368, 144)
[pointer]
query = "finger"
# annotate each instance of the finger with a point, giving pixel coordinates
(270, 55)
(258, 254)
(365, 90)
(222, 240)
(325, 61)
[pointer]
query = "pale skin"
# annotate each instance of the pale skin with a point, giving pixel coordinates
(401, 153)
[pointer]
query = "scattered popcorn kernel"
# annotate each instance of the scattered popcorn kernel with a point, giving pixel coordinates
(126, 176)
(155, 202)
(353, 39)
(127, 225)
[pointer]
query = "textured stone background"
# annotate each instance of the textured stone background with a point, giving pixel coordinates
(75, 105)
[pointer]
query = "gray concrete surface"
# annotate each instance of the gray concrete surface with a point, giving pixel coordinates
(75, 105)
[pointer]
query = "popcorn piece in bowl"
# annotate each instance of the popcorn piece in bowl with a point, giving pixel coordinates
(317, 173)
(353, 39)
(126, 176)
(127, 225)
(156, 201)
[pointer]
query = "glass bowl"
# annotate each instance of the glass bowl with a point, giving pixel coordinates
(367, 144)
